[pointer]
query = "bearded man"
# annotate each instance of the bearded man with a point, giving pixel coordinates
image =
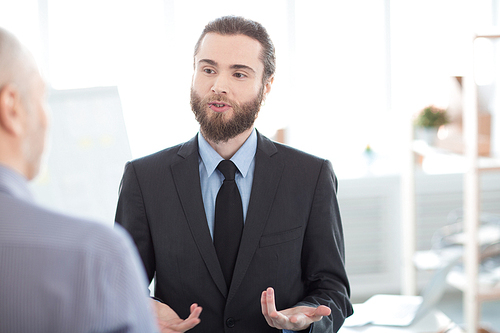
(231, 222)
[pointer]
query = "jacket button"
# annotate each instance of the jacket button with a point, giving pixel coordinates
(230, 322)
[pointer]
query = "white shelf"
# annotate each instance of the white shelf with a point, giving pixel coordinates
(453, 161)
(432, 260)
(471, 165)
(488, 284)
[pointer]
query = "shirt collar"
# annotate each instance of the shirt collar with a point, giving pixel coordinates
(13, 183)
(242, 158)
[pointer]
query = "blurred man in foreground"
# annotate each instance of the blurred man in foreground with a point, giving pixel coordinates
(57, 273)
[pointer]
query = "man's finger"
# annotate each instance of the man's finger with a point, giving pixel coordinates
(322, 311)
(193, 318)
(265, 312)
(195, 310)
(271, 306)
(185, 325)
(263, 303)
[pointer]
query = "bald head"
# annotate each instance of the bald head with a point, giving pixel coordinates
(17, 65)
(23, 119)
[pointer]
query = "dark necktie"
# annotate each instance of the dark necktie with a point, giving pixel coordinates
(228, 220)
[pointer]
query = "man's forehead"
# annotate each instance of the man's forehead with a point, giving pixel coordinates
(230, 50)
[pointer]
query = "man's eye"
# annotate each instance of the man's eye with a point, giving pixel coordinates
(240, 75)
(209, 71)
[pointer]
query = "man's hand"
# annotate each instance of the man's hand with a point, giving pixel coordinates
(295, 319)
(169, 322)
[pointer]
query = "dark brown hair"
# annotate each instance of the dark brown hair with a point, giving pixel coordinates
(237, 25)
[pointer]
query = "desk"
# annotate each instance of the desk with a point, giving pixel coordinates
(434, 322)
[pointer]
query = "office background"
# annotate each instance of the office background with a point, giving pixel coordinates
(350, 75)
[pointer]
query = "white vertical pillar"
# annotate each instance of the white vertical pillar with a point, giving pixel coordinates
(408, 211)
(43, 24)
(408, 239)
(471, 200)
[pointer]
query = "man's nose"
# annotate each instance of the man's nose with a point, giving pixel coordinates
(220, 85)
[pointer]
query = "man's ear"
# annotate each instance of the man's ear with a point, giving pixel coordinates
(11, 110)
(267, 87)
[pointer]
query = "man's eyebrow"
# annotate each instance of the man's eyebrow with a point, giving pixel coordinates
(237, 66)
(208, 61)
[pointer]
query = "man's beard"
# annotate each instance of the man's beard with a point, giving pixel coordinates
(214, 126)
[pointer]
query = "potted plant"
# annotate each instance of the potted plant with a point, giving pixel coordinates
(428, 121)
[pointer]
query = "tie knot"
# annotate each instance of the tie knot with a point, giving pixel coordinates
(228, 169)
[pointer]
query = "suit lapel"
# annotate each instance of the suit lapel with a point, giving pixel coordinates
(267, 175)
(187, 181)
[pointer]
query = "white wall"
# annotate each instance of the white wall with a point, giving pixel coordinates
(348, 73)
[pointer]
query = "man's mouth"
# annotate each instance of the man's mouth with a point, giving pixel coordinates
(219, 106)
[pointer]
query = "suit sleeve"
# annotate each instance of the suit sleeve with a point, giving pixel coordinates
(131, 215)
(323, 255)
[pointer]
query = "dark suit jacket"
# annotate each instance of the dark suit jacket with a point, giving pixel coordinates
(292, 239)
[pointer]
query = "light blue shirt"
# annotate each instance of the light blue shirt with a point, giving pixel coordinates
(211, 179)
(63, 274)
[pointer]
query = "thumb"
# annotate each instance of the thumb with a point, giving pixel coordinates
(322, 311)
